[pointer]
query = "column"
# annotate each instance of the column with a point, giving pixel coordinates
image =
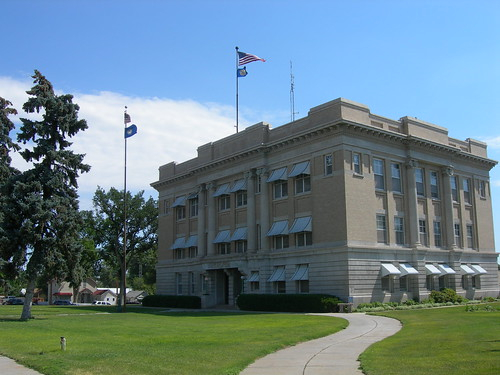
(251, 218)
(202, 249)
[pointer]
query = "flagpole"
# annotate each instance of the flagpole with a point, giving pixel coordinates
(236, 89)
(124, 270)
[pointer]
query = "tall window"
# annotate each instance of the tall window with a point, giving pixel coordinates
(482, 189)
(280, 189)
(166, 206)
(396, 177)
(281, 242)
(434, 185)
(193, 207)
(192, 285)
(454, 188)
(241, 246)
(458, 234)
(180, 212)
(356, 163)
(224, 202)
(422, 229)
(437, 234)
(470, 236)
(466, 187)
(303, 239)
(419, 179)
(378, 171)
(381, 229)
(178, 282)
(328, 164)
(224, 248)
(241, 198)
(400, 230)
(302, 183)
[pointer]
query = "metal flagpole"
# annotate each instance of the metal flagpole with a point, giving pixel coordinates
(237, 58)
(124, 263)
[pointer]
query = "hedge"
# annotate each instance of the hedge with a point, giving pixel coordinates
(319, 303)
(186, 302)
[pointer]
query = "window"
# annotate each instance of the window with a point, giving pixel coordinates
(437, 234)
(303, 239)
(193, 207)
(224, 202)
(434, 185)
(458, 235)
(278, 279)
(482, 189)
(192, 284)
(396, 177)
(430, 281)
(224, 248)
(476, 282)
(258, 183)
(281, 242)
(454, 188)
(466, 282)
(254, 281)
(280, 189)
(466, 187)
(302, 183)
(301, 278)
(193, 251)
(180, 212)
(387, 284)
(178, 282)
(241, 198)
(178, 253)
(404, 282)
(378, 171)
(422, 230)
(470, 236)
(443, 282)
(419, 180)
(356, 163)
(166, 207)
(399, 229)
(328, 164)
(381, 229)
(241, 246)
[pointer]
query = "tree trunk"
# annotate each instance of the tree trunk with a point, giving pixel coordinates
(28, 299)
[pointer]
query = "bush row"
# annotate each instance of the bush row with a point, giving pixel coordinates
(319, 303)
(186, 302)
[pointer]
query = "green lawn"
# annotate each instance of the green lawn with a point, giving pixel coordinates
(149, 341)
(438, 341)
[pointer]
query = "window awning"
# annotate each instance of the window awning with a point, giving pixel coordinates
(431, 269)
(446, 269)
(407, 269)
(278, 174)
(254, 277)
(179, 201)
(221, 190)
(192, 241)
(302, 224)
(478, 269)
(389, 269)
(301, 273)
(239, 185)
(466, 270)
(278, 274)
(193, 195)
(278, 228)
(179, 243)
(300, 168)
(223, 236)
(239, 234)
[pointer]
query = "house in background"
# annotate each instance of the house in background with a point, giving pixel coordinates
(105, 295)
(88, 292)
(136, 296)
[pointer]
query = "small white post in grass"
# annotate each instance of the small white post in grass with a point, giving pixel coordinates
(63, 343)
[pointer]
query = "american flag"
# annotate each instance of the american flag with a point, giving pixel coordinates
(245, 58)
(126, 118)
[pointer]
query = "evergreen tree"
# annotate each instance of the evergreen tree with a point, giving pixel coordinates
(41, 224)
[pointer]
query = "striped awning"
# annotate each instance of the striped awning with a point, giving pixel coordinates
(302, 224)
(278, 174)
(278, 228)
(300, 168)
(301, 272)
(179, 201)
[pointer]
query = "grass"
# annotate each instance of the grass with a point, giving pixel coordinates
(439, 341)
(149, 341)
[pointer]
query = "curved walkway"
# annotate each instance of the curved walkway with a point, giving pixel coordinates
(335, 354)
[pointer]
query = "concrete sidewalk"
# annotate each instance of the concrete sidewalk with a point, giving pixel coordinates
(335, 354)
(10, 367)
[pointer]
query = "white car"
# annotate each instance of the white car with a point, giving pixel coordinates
(101, 303)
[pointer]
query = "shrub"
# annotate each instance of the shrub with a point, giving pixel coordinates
(288, 302)
(186, 302)
(445, 295)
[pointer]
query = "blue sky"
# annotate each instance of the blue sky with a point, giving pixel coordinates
(173, 64)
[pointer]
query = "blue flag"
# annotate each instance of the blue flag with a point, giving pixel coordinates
(130, 131)
(242, 72)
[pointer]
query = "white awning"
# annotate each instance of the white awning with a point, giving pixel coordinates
(254, 277)
(431, 269)
(302, 224)
(278, 174)
(278, 228)
(239, 185)
(192, 241)
(466, 270)
(389, 269)
(407, 269)
(223, 236)
(446, 269)
(278, 274)
(179, 201)
(179, 243)
(221, 190)
(478, 269)
(239, 234)
(300, 168)
(301, 273)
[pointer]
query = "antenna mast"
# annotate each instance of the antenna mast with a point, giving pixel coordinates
(292, 95)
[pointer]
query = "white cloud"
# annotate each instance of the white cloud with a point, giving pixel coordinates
(168, 130)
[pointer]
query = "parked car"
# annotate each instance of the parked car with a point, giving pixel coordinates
(63, 303)
(14, 301)
(101, 303)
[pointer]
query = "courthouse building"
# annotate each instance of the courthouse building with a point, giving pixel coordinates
(342, 202)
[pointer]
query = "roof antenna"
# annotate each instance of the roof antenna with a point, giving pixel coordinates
(292, 95)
